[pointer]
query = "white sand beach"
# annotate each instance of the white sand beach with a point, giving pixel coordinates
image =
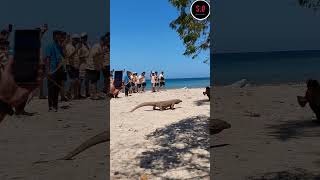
(271, 136)
(49, 136)
(170, 144)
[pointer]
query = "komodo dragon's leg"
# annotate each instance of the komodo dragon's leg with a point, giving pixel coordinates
(154, 107)
(162, 108)
(172, 107)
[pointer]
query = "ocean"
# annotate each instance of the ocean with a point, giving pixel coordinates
(266, 67)
(170, 83)
(185, 82)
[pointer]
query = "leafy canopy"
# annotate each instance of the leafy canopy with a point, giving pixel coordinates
(194, 34)
(314, 4)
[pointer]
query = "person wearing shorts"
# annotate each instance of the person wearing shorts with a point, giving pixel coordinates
(135, 82)
(162, 80)
(83, 56)
(153, 82)
(72, 54)
(138, 84)
(94, 66)
(157, 81)
(142, 81)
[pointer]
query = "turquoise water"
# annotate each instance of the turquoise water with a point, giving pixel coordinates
(266, 67)
(185, 82)
(170, 83)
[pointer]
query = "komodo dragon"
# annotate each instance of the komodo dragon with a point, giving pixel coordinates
(98, 139)
(162, 105)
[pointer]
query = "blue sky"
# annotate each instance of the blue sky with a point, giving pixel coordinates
(141, 40)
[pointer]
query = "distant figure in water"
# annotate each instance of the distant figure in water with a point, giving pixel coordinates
(312, 97)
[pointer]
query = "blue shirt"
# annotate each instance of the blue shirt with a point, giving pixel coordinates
(126, 79)
(54, 53)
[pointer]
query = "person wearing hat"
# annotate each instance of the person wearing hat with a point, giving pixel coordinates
(83, 56)
(94, 66)
(73, 64)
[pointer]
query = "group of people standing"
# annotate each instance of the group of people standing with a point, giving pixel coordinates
(72, 56)
(136, 84)
(69, 58)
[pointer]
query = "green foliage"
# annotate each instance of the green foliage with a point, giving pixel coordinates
(313, 4)
(194, 34)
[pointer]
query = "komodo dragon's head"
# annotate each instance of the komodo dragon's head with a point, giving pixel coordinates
(177, 101)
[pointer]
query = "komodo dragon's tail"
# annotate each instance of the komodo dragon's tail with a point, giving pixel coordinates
(143, 104)
(100, 138)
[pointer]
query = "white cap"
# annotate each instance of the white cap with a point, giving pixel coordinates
(84, 34)
(74, 36)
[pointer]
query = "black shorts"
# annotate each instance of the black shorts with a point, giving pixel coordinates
(162, 84)
(73, 72)
(144, 84)
(139, 85)
(93, 75)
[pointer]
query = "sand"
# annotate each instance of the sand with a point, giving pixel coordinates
(171, 144)
(271, 135)
(48, 136)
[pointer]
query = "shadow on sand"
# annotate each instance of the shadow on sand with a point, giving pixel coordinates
(295, 129)
(294, 174)
(202, 102)
(173, 143)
